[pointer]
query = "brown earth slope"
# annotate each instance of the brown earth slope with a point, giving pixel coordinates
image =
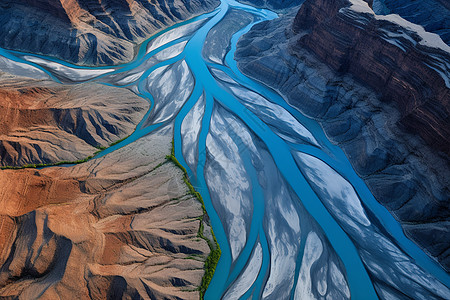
(122, 226)
(46, 122)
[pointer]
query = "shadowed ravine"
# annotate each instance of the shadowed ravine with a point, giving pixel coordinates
(292, 217)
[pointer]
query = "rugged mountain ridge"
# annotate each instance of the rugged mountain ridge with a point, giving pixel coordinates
(43, 122)
(342, 66)
(274, 4)
(433, 15)
(94, 32)
(401, 69)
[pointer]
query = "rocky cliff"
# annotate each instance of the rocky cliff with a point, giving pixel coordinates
(274, 4)
(407, 67)
(378, 85)
(94, 32)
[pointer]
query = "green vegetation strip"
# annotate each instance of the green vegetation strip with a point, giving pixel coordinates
(213, 257)
(118, 141)
(33, 166)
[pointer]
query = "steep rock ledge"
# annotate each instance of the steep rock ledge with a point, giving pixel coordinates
(433, 15)
(273, 4)
(90, 32)
(367, 120)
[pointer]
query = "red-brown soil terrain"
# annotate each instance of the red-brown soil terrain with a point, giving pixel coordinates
(44, 122)
(121, 226)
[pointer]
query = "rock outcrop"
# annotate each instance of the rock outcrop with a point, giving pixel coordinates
(123, 226)
(90, 32)
(407, 67)
(43, 122)
(378, 85)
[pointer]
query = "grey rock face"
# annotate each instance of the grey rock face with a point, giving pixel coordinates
(433, 15)
(90, 32)
(405, 174)
(396, 58)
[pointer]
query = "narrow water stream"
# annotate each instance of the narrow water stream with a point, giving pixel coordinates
(293, 219)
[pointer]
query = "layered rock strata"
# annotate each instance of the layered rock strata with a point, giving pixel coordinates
(90, 32)
(123, 226)
(379, 91)
(408, 67)
(43, 122)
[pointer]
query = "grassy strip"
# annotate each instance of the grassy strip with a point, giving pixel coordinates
(211, 261)
(118, 141)
(34, 166)
(100, 149)
(213, 257)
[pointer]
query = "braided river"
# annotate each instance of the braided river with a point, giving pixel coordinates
(292, 218)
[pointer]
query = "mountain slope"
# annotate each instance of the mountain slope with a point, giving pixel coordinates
(433, 15)
(44, 122)
(123, 226)
(94, 32)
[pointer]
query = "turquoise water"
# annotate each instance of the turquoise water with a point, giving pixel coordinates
(358, 245)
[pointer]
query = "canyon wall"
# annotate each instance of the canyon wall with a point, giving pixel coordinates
(401, 69)
(378, 87)
(433, 15)
(273, 4)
